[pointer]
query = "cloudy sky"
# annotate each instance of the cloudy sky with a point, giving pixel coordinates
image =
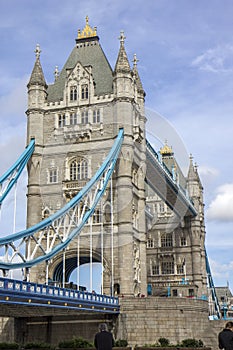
(185, 52)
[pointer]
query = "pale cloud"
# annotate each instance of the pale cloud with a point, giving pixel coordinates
(221, 271)
(221, 208)
(218, 59)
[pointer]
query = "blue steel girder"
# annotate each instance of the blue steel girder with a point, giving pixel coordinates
(10, 177)
(52, 235)
(212, 287)
(159, 178)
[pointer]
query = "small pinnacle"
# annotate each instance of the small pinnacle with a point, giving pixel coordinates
(37, 51)
(122, 37)
(135, 60)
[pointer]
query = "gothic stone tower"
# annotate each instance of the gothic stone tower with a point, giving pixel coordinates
(74, 122)
(176, 263)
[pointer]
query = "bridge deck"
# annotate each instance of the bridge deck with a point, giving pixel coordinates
(20, 299)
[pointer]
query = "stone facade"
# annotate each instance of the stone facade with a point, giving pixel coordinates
(74, 121)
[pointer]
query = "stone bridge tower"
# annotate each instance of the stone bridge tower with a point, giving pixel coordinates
(74, 122)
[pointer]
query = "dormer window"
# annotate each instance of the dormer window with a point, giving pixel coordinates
(84, 92)
(73, 93)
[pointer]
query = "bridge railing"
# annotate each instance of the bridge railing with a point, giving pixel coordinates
(18, 286)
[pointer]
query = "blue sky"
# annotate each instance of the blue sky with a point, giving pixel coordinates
(185, 52)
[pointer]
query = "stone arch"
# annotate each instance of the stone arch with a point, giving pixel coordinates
(56, 265)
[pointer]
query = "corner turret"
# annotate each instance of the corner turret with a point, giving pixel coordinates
(37, 87)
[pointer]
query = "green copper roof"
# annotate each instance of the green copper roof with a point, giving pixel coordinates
(88, 53)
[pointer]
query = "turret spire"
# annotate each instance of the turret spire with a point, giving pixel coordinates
(122, 63)
(37, 76)
(137, 78)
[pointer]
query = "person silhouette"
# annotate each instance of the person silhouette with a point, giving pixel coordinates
(103, 339)
(225, 337)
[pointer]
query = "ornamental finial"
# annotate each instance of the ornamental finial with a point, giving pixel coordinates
(122, 37)
(135, 60)
(166, 150)
(87, 32)
(37, 51)
(56, 73)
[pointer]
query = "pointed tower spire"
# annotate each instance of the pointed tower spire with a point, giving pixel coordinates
(137, 78)
(122, 63)
(192, 172)
(37, 76)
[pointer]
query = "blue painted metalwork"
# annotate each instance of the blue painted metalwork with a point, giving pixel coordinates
(34, 294)
(212, 288)
(12, 174)
(17, 240)
(181, 194)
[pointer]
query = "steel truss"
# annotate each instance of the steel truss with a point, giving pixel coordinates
(52, 235)
(11, 176)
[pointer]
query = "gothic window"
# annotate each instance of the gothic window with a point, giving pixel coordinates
(180, 269)
(150, 243)
(46, 213)
(53, 175)
(167, 266)
(61, 120)
(154, 268)
(84, 92)
(73, 93)
(79, 169)
(161, 208)
(96, 116)
(166, 240)
(73, 119)
(191, 292)
(97, 216)
(183, 241)
(84, 117)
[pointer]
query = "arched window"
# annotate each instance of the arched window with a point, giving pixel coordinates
(79, 169)
(84, 92)
(73, 93)
(166, 240)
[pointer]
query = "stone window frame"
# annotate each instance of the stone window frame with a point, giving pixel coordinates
(150, 243)
(166, 239)
(53, 175)
(154, 267)
(167, 266)
(84, 91)
(79, 170)
(61, 120)
(183, 241)
(84, 116)
(96, 116)
(73, 93)
(73, 118)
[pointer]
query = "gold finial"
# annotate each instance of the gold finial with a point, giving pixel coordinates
(166, 149)
(87, 31)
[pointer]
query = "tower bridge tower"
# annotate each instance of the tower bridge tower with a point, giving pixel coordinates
(74, 122)
(140, 242)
